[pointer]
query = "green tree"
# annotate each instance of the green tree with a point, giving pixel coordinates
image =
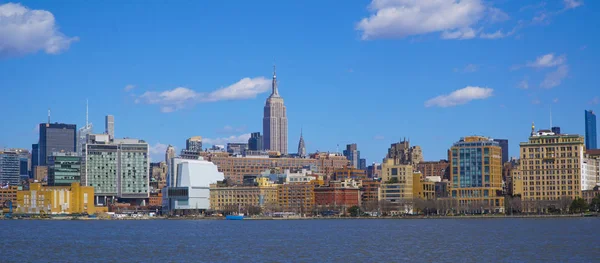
(595, 205)
(354, 211)
(393, 180)
(578, 206)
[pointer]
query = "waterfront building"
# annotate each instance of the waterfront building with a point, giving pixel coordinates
(155, 200)
(109, 124)
(235, 167)
(194, 144)
(264, 195)
(301, 146)
(275, 123)
(9, 168)
(41, 174)
(590, 173)
(442, 189)
(476, 174)
(296, 197)
(403, 153)
(369, 191)
(590, 130)
(343, 194)
(117, 168)
(237, 148)
(188, 188)
(504, 146)
(255, 142)
(349, 172)
(158, 176)
(56, 137)
(353, 155)
(73, 199)
(64, 169)
(424, 188)
(434, 168)
(551, 166)
(396, 182)
(9, 193)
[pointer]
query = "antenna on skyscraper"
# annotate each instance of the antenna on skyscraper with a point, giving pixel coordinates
(48, 115)
(86, 112)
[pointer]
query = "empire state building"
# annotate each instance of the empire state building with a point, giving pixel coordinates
(275, 125)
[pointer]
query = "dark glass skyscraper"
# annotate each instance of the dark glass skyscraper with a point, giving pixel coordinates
(56, 137)
(590, 130)
(504, 145)
(255, 143)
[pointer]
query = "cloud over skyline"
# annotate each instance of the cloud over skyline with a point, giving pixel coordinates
(24, 31)
(182, 97)
(224, 140)
(459, 97)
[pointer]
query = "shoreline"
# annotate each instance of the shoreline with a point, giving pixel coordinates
(320, 218)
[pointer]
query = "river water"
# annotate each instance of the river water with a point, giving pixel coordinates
(353, 240)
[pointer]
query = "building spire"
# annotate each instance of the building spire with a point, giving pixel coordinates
(48, 115)
(275, 92)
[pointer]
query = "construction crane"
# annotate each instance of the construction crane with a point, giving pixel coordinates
(8, 204)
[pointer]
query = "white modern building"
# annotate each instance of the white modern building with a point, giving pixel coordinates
(589, 173)
(188, 185)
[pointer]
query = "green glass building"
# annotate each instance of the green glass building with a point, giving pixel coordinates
(64, 169)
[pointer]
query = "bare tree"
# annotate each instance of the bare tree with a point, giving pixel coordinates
(563, 204)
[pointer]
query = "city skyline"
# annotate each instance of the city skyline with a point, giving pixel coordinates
(512, 67)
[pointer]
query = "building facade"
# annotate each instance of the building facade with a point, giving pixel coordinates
(337, 195)
(476, 174)
(504, 145)
(353, 155)
(237, 148)
(56, 137)
(434, 168)
(275, 123)
(264, 195)
(551, 167)
(158, 176)
(117, 169)
(109, 125)
(73, 199)
(296, 197)
(9, 168)
(349, 172)
(64, 169)
(255, 142)
(194, 144)
(591, 139)
(403, 153)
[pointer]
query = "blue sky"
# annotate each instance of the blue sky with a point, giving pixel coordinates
(355, 72)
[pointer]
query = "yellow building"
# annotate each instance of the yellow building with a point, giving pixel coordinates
(226, 198)
(396, 181)
(296, 197)
(74, 199)
(516, 181)
(551, 167)
(476, 175)
(423, 188)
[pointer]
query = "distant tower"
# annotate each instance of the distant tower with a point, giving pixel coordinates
(109, 123)
(194, 144)
(275, 121)
(301, 146)
(169, 154)
(255, 142)
(590, 130)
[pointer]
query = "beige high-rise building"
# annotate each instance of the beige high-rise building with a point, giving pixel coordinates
(403, 153)
(275, 125)
(551, 166)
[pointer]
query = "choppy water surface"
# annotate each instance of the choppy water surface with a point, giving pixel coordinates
(444, 240)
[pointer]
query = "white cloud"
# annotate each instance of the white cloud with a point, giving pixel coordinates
(496, 15)
(524, 84)
(129, 87)
(548, 60)
(402, 18)
(231, 129)
(595, 100)
(157, 151)
(225, 140)
(569, 4)
(181, 97)
(24, 31)
(555, 78)
(459, 97)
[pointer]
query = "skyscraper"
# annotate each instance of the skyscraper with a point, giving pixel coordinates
(169, 155)
(35, 158)
(476, 174)
(353, 155)
(56, 137)
(504, 145)
(590, 130)
(255, 143)
(194, 144)
(275, 121)
(109, 124)
(301, 146)
(9, 168)
(83, 132)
